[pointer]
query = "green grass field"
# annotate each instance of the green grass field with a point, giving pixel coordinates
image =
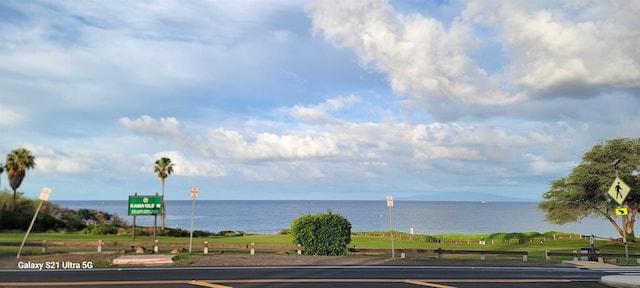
(536, 244)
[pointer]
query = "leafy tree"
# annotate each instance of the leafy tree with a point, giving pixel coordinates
(1, 171)
(17, 163)
(163, 169)
(583, 193)
(322, 234)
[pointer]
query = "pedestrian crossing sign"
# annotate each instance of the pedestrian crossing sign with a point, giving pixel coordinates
(619, 191)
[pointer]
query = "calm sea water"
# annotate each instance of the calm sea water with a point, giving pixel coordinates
(269, 217)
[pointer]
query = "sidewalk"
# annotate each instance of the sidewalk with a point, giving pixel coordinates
(626, 281)
(618, 281)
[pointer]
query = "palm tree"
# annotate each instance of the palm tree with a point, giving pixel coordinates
(17, 163)
(163, 169)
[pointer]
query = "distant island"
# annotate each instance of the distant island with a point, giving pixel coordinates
(464, 196)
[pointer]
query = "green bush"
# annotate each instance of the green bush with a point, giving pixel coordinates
(284, 232)
(322, 234)
(101, 230)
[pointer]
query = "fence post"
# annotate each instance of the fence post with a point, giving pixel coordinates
(299, 249)
(100, 244)
(546, 255)
(155, 246)
(525, 256)
(575, 255)
(482, 256)
(253, 249)
(206, 247)
(44, 246)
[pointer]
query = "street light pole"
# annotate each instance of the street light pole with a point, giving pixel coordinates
(44, 196)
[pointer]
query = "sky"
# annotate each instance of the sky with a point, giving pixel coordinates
(317, 100)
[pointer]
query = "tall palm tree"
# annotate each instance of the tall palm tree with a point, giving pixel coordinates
(163, 169)
(17, 163)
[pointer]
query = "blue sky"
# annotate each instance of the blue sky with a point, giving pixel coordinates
(313, 99)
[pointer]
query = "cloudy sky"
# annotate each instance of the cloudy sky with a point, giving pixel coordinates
(313, 99)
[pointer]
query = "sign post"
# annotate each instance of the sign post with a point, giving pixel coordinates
(194, 195)
(619, 192)
(145, 205)
(44, 196)
(390, 205)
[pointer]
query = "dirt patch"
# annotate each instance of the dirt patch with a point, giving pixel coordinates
(57, 260)
(302, 260)
(217, 260)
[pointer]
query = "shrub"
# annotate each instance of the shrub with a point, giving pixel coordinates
(284, 232)
(101, 230)
(322, 234)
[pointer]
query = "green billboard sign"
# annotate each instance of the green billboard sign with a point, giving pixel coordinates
(145, 205)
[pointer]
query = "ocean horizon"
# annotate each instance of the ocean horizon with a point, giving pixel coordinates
(419, 217)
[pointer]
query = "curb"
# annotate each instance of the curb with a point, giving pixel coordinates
(621, 281)
(143, 260)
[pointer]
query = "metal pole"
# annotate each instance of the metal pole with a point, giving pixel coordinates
(193, 207)
(393, 251)
(133, 234)
(155, 220)
(29, 230)
(624, 227)
(155, 224)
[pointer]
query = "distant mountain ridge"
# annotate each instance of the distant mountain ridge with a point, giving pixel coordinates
(464, 196)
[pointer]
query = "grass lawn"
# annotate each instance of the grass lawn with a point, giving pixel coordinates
(536, 246)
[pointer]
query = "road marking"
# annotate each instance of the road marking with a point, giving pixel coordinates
(415, 282)
(207, 284)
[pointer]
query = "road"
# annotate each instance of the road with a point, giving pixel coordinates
(308, 276)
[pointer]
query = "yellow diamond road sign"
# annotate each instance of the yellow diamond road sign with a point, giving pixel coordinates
(619, 191)
(622, 211)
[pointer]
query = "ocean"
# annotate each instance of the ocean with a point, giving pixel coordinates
(423, 217)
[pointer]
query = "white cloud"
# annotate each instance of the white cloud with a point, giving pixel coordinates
(269, 146)
(421, 57)
(184, 166)
(9, 117)
(545, 50)
(146, 125)
(321, 113)
(51, 161)
(566, 50)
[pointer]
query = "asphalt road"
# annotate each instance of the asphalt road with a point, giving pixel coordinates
(308, 276)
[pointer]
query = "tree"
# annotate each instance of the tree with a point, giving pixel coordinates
(322, 234)
(583, 193)
(163, 169)
(1, 171)
(17, 163)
